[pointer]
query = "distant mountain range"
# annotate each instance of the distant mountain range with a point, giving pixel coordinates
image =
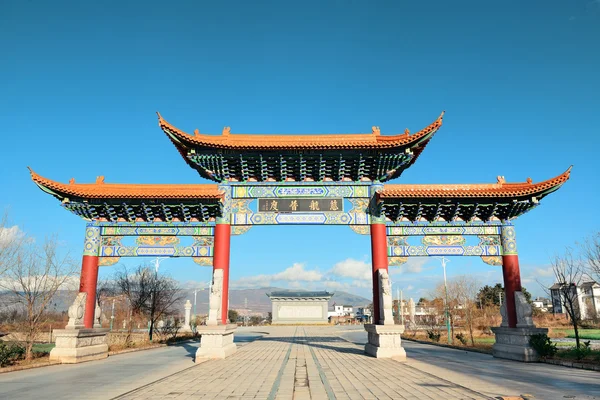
(254, 300)
(258, 302)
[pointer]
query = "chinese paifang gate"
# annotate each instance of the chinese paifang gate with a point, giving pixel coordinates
(336, 179)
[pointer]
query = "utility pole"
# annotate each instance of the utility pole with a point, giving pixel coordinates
(444, 261)
(245, 309)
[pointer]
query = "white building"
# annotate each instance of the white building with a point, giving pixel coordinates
(290, 307)
(587, 301)
(542, 304)
(341, 311)
(363, 313)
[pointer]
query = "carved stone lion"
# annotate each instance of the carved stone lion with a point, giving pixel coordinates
(77, 311)
(216, 291)
(385, 299)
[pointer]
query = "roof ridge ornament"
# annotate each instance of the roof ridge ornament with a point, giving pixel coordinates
(196, 132)
(226, 131)
(501, 180)
(100, 180)
(406, 132)
(375, 130)
(72, 181)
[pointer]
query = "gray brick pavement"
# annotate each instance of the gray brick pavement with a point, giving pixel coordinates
(302, 363)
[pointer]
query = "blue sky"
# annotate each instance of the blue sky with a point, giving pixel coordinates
(80, 82)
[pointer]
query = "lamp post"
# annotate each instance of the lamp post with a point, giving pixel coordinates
(447, 312)
(157, 261)
(112, 315)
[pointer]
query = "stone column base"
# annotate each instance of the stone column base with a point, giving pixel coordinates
(79, 345)
(513, 343)
(385, 341)
(216, 341)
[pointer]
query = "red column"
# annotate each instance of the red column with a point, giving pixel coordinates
(512, 284)
(510, 272)
(87, 284)
(379, 259)
(221, 261)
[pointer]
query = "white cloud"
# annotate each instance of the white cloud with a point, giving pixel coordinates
(543, 271)
(294, 274)
(7, 235)
(297, 273)
(412, 266)
(351, 268)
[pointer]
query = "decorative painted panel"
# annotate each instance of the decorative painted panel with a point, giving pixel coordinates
(361, 229)
(396, 261)
(158, 230)
(326, 218)
(225, 188)
(416, 251)
(143, 251)
(299, 189)
(203, 261)
(443, 230)
(108, 261)
(295, 205)
(157, 241)
(91, 244)
(240, 229)
(509, 240)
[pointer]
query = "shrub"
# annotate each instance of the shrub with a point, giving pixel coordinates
(433, 335)
(583, 351)
(10, 352)
(462, 338)
(542, 344)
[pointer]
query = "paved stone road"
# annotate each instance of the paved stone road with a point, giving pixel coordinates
(303, 363)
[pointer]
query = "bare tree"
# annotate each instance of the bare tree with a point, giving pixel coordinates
(465, 288)
(149, 294)
(591, 252)
(569, 271)
(33, 277)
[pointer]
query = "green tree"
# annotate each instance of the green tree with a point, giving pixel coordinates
(233, 316)
(255, 320)
(491, 295)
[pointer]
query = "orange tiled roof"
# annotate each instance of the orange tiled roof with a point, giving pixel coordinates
(499, 189)
(101, 190)
(227, 140)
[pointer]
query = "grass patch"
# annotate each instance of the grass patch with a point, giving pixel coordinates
(582, 355)
(42, 347)
(485, 340)
(593, 334)
(588, 334)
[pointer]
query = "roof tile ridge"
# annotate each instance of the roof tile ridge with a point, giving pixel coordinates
(198, 137)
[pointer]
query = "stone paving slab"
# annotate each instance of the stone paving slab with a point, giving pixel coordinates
(302, 363)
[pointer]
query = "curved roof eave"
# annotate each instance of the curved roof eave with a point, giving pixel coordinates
(230, 141)
(501, 189)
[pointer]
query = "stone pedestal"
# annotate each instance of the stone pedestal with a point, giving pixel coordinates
(385, 341)
(216, 341)
(186, 324)
(79, 345)
(513, 343)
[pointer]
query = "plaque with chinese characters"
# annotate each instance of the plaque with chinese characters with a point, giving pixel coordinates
(279, 205)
